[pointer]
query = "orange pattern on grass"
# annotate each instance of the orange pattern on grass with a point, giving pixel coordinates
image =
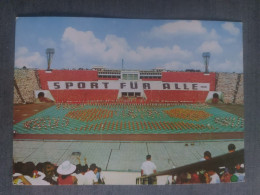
(188, 114)
(90, 114)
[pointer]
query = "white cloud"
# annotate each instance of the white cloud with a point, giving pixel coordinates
(159, 53)
(85, 45)
(229, 40)
(178, 65)
(213, 35)
(230, 27)
(179, 28)
(23, 57)
(83, 42)
(174, 65)
(197, 65)
(210, 46)
(187, 28)
(228, 66)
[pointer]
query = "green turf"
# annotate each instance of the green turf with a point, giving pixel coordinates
(53, 120)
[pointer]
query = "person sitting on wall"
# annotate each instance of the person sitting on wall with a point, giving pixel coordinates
(42, 99)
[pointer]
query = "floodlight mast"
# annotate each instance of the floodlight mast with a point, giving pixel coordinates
(206, 56)
(49, 53)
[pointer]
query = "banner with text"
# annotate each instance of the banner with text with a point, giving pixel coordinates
(127, 85)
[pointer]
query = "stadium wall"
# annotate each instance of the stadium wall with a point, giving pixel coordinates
(183, 96)
(231, 84)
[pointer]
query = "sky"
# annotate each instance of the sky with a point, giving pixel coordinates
(141, 43)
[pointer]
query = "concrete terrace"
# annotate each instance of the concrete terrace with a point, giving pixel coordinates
(120, 156)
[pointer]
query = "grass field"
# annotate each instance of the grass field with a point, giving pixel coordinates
(133, 119)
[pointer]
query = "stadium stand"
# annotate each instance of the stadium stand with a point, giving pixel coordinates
(175, 96)
(17, 97)
(27, 82)
(80, 96)
(227, 84)
(199, 77)
(182, 96)
(66, 75)
(240, 91)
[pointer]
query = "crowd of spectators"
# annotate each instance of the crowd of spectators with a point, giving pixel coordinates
(48, 173)
(27, 82)
(225, 174)
(240, 91)
(231, 84)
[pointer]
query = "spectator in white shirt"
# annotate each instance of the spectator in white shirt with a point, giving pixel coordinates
(90, 177)
(148, 168)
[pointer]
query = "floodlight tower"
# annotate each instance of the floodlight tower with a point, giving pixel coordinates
(206, 56)
(49, 53)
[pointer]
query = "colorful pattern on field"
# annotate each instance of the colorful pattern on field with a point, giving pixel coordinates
(183, 113)
(122, 118)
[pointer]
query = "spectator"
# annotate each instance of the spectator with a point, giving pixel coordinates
(149, 168)
(17, 167)
(239, 168)
(30, 176)
(42, 99)
(207, 156)
(240, 172)
(212, 177)
(90, 176)
(49, 171)
(39, 167)
(195, 178)
(81, 168)
(65, 170)
(231, 148)
(182, 178)
(100, 176)
(80, 172)
(226, 176)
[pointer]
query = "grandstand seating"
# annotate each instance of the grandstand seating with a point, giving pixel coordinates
(227, 84)
(240, 91)
(26, 82)
(17, 99)
(29, 80)
(175, 96)
(77, 96)
(197, 77)
(66, 75)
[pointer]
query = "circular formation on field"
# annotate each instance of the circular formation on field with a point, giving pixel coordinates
(100, 118)
(188, 114)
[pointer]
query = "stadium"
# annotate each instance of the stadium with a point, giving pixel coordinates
(116, 117)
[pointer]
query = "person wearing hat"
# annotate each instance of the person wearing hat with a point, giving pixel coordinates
(65, 170)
